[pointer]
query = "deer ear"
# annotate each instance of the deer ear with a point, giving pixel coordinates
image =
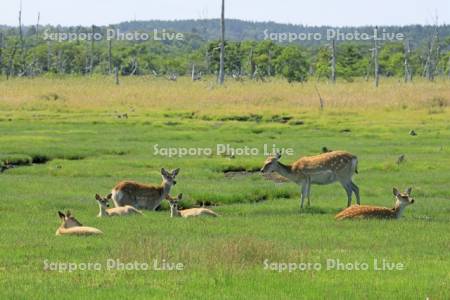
(180, 196)
(61, 215)
(277, 155)
(97, 197)
(68, 213)
(409, 190)
(163, 172)
(109, 196)
(395, 191)
(175, 172)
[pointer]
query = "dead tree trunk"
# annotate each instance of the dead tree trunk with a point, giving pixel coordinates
(110, 56)
(448, 67)
(60, 62)
(269, 64)
(116, 74)
(91, 60)
(222, 45)
(36, 43)
(193, 72)
(252, 65)
(1, 53)
(208, 60)
(333, 61)
(375, 58)
(22, 42)
(408, 72)
(49, 56)
(430, 61)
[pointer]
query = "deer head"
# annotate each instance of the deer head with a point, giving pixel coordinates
(68, 220)
(271, 163)
(103, 202)
(403, 199)
(169, 177)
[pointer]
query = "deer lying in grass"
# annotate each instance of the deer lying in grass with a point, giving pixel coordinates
(71, 226)
(368, 211)
(141, 195)
(321, 169)
(186, 213)
(105, 211)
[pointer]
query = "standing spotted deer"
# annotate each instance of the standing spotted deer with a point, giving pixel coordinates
(190, 212)
(368, 211)
(141, 195)
(71, 226)
(321, 169)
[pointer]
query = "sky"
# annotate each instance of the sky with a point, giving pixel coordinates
(317, 12)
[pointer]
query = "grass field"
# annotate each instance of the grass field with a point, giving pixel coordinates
(69, 143)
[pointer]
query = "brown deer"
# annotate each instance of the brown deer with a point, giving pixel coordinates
(321, 169)
(105, 211)
(141, 195)
(71, 226)
(368, 211)
(186, 213)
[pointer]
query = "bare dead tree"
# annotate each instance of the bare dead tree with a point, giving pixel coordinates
(36, 42)
(110, 56)
(135, 66)
(116, 74)
(375, 58)
(49, 56)
(408, 71)
(322, 102)
(269, 64)
(430, 63)
(60, 62)
(252, 64)
(22, 41)
(91, 59)
(37, 25)
(1, 52)
(448, 67)
(193, 72)
(222, 45)
(333, 61)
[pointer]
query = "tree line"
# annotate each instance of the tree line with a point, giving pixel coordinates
(25, 52)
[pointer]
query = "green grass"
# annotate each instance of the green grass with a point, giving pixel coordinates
(88, 151)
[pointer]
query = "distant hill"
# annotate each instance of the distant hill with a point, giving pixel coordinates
(238, 30)
(244, 30)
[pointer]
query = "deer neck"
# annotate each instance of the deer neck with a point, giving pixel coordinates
(398, 210)
(166, 186)
(286, 171)
(102, 212)
(174, 212)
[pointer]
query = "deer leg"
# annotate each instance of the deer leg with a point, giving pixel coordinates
(355, 189)
(348, 189)
(303, 192)
(308, 183)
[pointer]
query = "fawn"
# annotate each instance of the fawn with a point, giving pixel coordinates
(105, 211)
(191, 212)
(321, 169)
(368, 211)
(71, 226)
(141, 195)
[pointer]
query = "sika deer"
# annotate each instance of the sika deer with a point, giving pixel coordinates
(71, 226)
(141, 195)
(321, 169)
(103, 204)
(186, 213)
(368, 211)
